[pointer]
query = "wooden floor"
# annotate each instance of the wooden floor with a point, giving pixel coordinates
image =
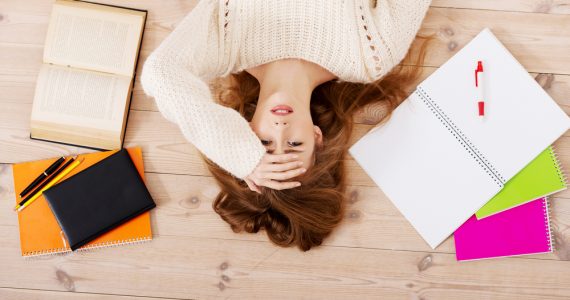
(374, 254)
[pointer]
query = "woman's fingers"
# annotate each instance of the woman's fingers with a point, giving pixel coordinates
(274, 170)
(281, 167)
(276, 185)
(280, 158)
(284, 175)
(252, 186)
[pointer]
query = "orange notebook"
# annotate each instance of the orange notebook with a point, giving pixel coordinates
(40, 233)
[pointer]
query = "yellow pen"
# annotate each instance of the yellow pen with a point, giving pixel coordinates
(72, 165)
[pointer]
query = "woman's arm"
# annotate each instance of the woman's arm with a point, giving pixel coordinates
(173, 74)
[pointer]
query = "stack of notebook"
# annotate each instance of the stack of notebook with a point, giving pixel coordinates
(517, 220)
(485, 178)
(102, 202)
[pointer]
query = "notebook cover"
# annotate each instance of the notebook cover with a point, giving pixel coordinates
(39, 232)
(524, 229)
(541, 177)
(98, 199)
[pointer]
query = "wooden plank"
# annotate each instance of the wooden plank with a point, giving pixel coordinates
(25, 22)
(184, 267)
(17, 294)
(165, 148)
(556, 85)
(20, 89)
(535, 39)
(190, 249)
(532, 6)
(371, 220)
(15, 139)
(527, 36)
(17, 82)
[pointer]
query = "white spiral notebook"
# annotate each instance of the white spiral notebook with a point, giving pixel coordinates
(438, 161)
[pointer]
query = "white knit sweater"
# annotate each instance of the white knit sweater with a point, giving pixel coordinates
(352, 39)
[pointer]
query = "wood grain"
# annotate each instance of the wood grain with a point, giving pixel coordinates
(374, 253)
(20, 294)
(165, 149)
(534, 39)
(172, 266)
(527, 36)
(371, 220)
(532, 6)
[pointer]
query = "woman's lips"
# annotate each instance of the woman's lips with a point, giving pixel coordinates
(281, 110)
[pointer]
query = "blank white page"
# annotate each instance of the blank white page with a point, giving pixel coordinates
(521, 119)
(424, 170)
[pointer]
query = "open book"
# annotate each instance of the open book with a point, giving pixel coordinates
(85, 85)
(438, 161)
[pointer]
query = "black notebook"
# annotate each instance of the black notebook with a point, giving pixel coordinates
(99, 199)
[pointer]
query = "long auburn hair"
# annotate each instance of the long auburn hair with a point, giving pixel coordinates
(306, 215)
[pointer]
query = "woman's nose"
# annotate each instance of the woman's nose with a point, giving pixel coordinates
(280, 123)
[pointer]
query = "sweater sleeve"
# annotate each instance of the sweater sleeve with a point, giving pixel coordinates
(173, 74)
(399, 21)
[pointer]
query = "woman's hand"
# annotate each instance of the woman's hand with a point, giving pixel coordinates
(273, 170)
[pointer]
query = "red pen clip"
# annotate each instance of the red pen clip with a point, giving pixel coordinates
(479, 87)
(479, 69)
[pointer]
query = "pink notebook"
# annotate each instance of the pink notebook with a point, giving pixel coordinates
(518, 231)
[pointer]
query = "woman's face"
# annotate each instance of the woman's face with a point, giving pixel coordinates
(285, 126)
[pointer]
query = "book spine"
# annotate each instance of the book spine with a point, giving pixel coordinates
(473, 151)
(547, 213)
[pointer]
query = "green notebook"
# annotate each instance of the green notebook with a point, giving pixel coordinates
(541, 177)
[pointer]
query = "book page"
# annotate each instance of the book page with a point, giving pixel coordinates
(81, 35)
(81, 98)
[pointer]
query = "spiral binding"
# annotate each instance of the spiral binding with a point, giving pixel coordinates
(132, 241)
(54, 251)
(559, 168)
(61, 251)
(461, 138)
(547, 209)
(480, 155)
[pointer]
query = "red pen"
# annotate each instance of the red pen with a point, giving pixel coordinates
(479, 86)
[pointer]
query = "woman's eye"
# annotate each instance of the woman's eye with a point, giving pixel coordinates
(265, 143)
(295, 144)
